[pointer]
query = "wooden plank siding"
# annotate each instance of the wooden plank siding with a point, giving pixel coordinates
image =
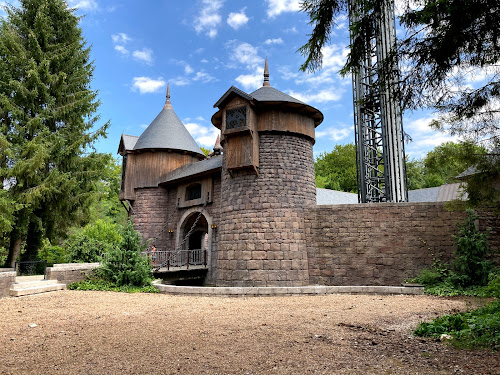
(144, 169)
(281, 121)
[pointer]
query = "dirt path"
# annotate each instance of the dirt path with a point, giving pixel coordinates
(117, 333)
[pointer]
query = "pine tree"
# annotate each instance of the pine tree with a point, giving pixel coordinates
(47, 118)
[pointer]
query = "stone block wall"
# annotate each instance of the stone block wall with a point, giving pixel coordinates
(7, 278)
(68, 273)
(381, 244)
(262, 235)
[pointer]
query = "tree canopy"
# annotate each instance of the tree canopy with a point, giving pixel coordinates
(48, 124)
(446, 43)
(336, 170)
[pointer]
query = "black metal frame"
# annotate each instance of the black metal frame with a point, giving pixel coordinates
(17, 266)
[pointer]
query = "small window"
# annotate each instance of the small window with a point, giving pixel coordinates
(236, 118)
(124, 168)
(193, 191)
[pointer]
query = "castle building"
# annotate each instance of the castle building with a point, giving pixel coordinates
(246, 215)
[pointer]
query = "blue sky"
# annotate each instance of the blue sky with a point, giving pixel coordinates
(202, 47)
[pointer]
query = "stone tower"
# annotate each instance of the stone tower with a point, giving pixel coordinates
(267, 180)
(164, 146)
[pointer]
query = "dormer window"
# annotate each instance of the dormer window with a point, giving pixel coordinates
(236, 118)
(193, 191)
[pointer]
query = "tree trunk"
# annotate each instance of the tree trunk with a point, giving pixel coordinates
(14, 249)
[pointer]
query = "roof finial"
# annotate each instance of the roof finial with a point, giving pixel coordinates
(167, 102)
(266, 75)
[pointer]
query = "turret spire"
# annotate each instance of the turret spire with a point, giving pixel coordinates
(266, 75)
(168, 104)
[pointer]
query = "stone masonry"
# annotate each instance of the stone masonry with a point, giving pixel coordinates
(262, 237)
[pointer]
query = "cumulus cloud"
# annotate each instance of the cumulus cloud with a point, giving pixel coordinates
(236, 20)
(188, 69)
(204, 135)
(144, 55)
(274, 41)
(335, 133)
(148, 85)
(209, 18)
(245, 53)
(250, 81)
(120, 38)
(321, 96)
(88, 5)
(121, 49)
(276, 7)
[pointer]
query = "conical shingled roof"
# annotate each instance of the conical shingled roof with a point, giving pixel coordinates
(167, 132)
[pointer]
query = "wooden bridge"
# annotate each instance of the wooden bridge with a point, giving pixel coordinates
(178, 260)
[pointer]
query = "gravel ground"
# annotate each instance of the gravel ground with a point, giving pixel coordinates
(116, 333)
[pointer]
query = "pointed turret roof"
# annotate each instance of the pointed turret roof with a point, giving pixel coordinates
(167, 132)
(267, 96)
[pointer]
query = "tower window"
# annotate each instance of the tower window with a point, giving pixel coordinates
(193, 191)
(236, 117)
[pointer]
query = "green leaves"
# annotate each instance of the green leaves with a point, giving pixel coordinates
(336, 170)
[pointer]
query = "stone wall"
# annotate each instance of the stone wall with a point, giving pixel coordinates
(381, 244)
(68, 273)
(7, 278)
(155, 211)
(262, 238)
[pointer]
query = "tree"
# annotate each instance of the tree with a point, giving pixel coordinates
(336, 170)
(47, 119)
(446, 42)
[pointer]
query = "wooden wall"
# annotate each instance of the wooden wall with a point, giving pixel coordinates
(144, 169)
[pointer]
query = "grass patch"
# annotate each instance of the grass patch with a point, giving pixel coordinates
(470, 330)
(108, 286)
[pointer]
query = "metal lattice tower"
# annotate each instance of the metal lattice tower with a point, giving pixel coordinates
(377, 114)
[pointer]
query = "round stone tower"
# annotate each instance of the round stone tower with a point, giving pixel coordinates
(267, 181)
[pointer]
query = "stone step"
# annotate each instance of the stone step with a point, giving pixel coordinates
(32, 283)
(33, 287)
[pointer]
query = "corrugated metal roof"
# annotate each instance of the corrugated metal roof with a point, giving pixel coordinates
(190, 170)
(327, 196)
(167, 132)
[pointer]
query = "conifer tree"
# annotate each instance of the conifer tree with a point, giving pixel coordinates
(47, 123)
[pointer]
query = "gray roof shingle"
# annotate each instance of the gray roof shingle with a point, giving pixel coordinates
(167, 132)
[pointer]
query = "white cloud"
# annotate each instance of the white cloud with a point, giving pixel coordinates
(322, 96)
(145, 55)
(188, 69)
(245, 53)
(250, 81)
(148, 85)
(274, 41)
(120, 38)
(204, 61)
(236, 20)
(203, 77)
(204, 135)
(276, 7)
(121, 49)
(209, 18)
(180, 81)
(334, 133)
(88, 5)
(144, 126)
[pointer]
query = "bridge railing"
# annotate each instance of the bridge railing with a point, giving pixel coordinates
(179, 258)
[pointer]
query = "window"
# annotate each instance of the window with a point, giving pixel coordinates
(124, 168)
(193, 191)
(236, 118)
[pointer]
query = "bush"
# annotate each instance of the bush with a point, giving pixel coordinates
(470, 266)
(53, 254)
(99, 284)
(88, 244)
(475, 329)
(124, 265)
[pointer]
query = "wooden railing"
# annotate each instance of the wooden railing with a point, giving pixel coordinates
(179, 258)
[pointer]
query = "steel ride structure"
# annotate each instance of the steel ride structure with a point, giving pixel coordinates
(378, 125)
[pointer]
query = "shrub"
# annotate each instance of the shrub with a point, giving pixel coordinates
(99, 284)
(470, 266)
(53, 254)
(124, 265)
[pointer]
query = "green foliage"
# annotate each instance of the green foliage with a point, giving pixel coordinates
(336, 170)
(99, 284)
(124, 264)
(470, 266)
(53, 254)
(475, 329)
(48, 121)
(205, 151)
(89, 243)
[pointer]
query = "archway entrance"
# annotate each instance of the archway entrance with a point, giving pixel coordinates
(197, 242)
